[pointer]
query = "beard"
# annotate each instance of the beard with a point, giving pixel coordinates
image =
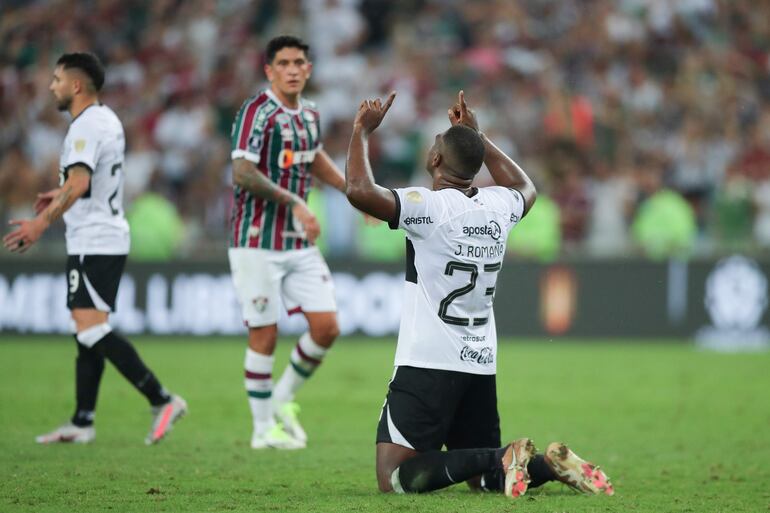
(64, 103)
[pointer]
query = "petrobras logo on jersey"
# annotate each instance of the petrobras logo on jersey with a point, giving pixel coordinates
(492, 229)
(483, 356)
(288, 158)
(418, 220)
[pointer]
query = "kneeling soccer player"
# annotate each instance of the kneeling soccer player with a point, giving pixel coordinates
(443, 392)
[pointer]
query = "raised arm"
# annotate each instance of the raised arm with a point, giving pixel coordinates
(360, 188)
(505, 172)
(247, 176)
(50, 207)
(326, 170)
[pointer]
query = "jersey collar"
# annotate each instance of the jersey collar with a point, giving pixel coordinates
(273, 96)
(97, 104)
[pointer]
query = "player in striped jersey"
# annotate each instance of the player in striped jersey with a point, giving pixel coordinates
(444, 392)
(276, 151)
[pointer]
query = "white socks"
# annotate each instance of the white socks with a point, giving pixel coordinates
(259, 387)
(304, 359)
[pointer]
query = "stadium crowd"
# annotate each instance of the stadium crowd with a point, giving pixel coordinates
(645, 123)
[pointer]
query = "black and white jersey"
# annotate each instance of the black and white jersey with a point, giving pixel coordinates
(455, 249)
(95, 222)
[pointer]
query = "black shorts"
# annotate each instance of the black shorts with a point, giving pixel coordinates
(427, 409)
(92, 281)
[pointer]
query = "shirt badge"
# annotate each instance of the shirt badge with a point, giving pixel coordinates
(414, 197)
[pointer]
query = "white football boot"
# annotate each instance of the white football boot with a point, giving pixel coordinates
(575, 472)
(68, 433)
(275, 438)
(515, 461)
(164, 417)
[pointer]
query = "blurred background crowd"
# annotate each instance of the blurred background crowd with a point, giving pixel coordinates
(644, 123)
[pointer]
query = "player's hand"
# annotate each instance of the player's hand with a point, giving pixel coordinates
(27, 233)
(460, 114)
(44, 199)
(308, 222)
(371, 112)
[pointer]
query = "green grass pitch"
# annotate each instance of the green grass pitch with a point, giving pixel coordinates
(677, 430)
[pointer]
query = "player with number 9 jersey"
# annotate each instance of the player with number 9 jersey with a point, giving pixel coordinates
(90, 199)
(95, 222)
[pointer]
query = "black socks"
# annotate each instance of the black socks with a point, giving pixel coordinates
(89, 366)
(539, 474)
(434, 470)
(124, 357)
(539, 471)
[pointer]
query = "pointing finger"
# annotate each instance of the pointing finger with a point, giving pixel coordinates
(389, 101)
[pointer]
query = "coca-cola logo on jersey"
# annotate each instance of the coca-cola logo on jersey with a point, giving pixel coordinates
(493, 230)
(483, 356)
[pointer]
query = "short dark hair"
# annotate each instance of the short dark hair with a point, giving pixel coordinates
(86, 62)
(278, 43)
(466, 149)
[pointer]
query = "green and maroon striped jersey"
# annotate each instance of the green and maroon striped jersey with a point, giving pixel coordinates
(282, 143)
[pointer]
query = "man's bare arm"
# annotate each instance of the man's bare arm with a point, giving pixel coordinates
(246, 176)
(505, 172)
(360, 188)
(56, 202)
(77, 183)
(327, 171)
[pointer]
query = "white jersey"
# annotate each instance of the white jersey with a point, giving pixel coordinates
(455, 249)
(95, 222)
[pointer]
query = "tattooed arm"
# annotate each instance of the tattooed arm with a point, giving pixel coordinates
(246, 176)
(50, 207)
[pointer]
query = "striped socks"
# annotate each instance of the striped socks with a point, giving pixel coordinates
(259, 387)
(304, 359)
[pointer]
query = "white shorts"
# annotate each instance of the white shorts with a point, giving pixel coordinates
(300, 278)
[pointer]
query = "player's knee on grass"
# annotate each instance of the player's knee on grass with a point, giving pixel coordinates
(385, 470)
(389, 458)
(383, 483)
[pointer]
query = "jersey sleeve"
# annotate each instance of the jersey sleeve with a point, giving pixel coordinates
(85, 143)
(248, 132)
(418, 211)
(513, 202)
